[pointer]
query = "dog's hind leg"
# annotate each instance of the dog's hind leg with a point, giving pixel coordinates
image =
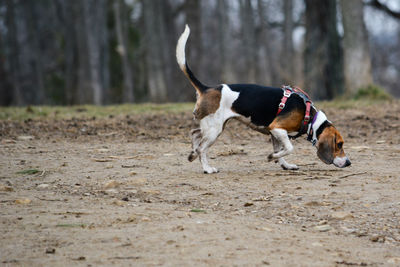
(209, 133)
(196, 139)
(282, 162)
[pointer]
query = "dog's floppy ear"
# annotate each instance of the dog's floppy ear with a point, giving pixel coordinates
(325, 146)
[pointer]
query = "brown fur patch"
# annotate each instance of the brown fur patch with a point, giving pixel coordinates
(207, 103)
(290, 122)
(328, 145)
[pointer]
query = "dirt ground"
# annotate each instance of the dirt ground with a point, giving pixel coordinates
(120, 192)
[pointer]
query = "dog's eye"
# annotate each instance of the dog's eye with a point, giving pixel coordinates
(340, 145)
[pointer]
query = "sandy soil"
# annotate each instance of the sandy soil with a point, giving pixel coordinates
(120, 192)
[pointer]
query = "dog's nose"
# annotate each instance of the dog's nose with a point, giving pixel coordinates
(348, 163)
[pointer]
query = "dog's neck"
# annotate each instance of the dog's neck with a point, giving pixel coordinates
(318, 120)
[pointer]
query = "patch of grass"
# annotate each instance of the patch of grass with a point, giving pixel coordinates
(89, 111)
(372, 92)
(29, 171)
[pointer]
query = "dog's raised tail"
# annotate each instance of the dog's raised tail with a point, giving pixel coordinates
(181, 58)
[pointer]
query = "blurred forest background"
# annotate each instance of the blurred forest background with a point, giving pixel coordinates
(65, 52)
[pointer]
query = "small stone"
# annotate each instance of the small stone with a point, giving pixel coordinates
(7, 141)
(146, 219)
(266, 229)
(395, 260)
(23, 201)
(138, 181)
(132, 219)
(25, 137)
(5, 188)
(50, 250)
(111, 191)
(349, 230)
(151, 192)
(316, 244)
(248, 204)
(42, 186)
(377, 238)
(111, 184)
(341, 215)
(119, 203)
(323, 228)
(109, 166)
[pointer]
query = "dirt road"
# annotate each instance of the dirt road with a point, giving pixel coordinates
(120, 192)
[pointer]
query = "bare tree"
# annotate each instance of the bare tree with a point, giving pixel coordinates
(153, 22)
(30, 9)
(249, 39)
(323, 54)
(379, 5)
(266, 40)
(288, 50)
(223, 41)
(14, 52)
(128, 89)
(357, 60)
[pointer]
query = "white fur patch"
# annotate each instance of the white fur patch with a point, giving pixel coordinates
(180, 47)
(212, 125)
(287, 166)
(340, 162)
(282, 137)
(320, 119)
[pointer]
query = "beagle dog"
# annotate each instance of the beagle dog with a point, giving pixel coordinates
(265, 109)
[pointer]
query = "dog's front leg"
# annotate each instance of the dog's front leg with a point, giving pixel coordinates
(282, 162)
(282, 147)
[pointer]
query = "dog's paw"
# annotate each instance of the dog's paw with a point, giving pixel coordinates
(210, 170)
(192, 156)
(287, 166)
(271, 157)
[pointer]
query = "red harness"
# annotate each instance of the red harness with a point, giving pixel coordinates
(288, 91)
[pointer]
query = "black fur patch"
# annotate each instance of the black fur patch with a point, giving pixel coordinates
(260, 103)
(322, 128)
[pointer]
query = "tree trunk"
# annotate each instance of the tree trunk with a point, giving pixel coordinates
(94, 23)
(287, 57)
(249, 40)
(90, 26)
(274, 76)
(225, 71)
(154, 42)
(6, 90)
(34, 44)
(127, 92)
(14, 53)
(323, 54)
(357, 60)
(68, 14)
(193, 19)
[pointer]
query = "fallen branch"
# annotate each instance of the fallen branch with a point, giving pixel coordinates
(352, 174)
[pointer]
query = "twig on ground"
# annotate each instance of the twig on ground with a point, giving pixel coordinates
(351, 174)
